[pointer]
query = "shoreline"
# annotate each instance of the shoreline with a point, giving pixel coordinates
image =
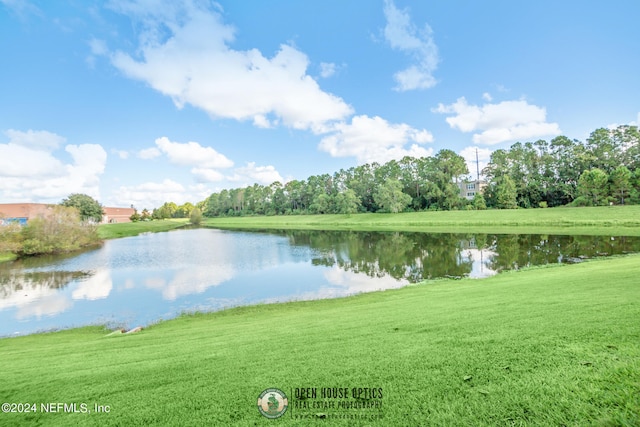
(609, 220)
(475, 350)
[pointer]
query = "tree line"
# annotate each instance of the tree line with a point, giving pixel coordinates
(395, 186)
(603, 170)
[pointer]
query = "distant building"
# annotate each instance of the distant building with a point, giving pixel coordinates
(23, 212)
(114, 215)
(468, 189)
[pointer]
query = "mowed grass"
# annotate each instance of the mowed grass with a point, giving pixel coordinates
(547, 346)
(619, 220)
(112, 231)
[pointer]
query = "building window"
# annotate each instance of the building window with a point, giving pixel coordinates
(471, 186)
(470, 194)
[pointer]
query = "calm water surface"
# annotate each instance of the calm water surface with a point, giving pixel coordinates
(140, 280)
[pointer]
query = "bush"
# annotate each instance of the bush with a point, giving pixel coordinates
(196, 216)
(581, 201)
(543, 204)
(10, 238)
(61, 230)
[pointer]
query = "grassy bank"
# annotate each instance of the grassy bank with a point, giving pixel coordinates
(7, 256)
(549, 346)
(112, 231)
(614, 220)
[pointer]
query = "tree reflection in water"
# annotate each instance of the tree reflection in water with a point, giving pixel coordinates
(420, 256)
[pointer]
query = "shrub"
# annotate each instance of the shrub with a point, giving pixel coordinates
(10, 238)
(196, 216)
(61, 230)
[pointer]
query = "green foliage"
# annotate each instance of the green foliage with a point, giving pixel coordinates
(390, 197)
(593, 186)
(60, 230)
(145, 216)
(347, 202)
(10, 238)
(479, 202)
(165, 211)
(538, 172)
(184, 211)
(506, 193)
(195, 217)
(322, 204)
(621, 183)
(87, 206)
(135, 217)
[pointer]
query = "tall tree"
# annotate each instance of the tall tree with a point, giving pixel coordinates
(88, 207)
(506, 193)
(391, 198)
(621, 182)
(347, 202)
(592, 185)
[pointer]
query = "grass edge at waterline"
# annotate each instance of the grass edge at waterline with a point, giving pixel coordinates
(127, 229)
(550, 345)
(614, 220)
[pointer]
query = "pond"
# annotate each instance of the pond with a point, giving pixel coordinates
(136, 281)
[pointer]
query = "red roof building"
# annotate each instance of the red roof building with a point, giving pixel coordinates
(23, 212)
(114, 215)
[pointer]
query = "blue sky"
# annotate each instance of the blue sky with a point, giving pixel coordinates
(146, 101)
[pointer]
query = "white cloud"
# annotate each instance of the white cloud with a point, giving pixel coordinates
(352, 283)
(123, 154)
(97, 286)
(402, 35)
(22, 162)
(207, 175)
(185, 54)
(371, 139)
(22, 8)
(327, 69)
(192, 154)
(98, 48)
(469, 154)
(192, 280)
(636, 122)
(30, 170)
(46, 306)
(251, 174)
(263, 122)
(35, 139)
(487, 97)
(204, 160)
(149, 153)
(154, 194)
(505, 121)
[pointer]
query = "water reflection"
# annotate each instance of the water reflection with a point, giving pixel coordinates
(139, 280)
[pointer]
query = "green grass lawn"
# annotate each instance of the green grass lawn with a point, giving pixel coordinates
(547, 346)
(112, 231)
(619, 220)
(7, 256)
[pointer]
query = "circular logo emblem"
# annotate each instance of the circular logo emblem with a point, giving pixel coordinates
(272, 403)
